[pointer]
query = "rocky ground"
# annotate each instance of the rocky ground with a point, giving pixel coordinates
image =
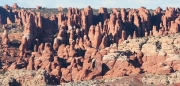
(24, 78)
(133, 80)
(40, 78)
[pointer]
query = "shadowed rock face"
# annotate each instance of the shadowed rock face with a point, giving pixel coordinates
(79, 45)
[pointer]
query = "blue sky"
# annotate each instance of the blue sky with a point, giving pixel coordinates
(150, 4)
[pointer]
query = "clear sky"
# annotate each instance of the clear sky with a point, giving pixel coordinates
(150, 4)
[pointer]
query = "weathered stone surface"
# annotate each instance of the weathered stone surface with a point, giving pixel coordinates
(24, 77)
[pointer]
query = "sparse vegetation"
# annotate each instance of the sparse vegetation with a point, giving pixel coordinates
(2, 72)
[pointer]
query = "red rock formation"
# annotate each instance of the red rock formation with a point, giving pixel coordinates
(174, 27)
(28, 34)
(134, 34)
(137, 24)
(56, 72)
(123, 14)
(146, 34)
(91, 33)
(60, 38)
(103, 11)
(104, 42)
(38, 7)
(39, 21)
(6, 7)
(8, 21)
(56, 44)
(60, 19)
(97, 37)
(145, 19)
(30, 65)
(23, 47)
(14, 6)
(12, 67)
(89, 46)
(111, 24)
(89, 13)
(5, 37)
(60, 8)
